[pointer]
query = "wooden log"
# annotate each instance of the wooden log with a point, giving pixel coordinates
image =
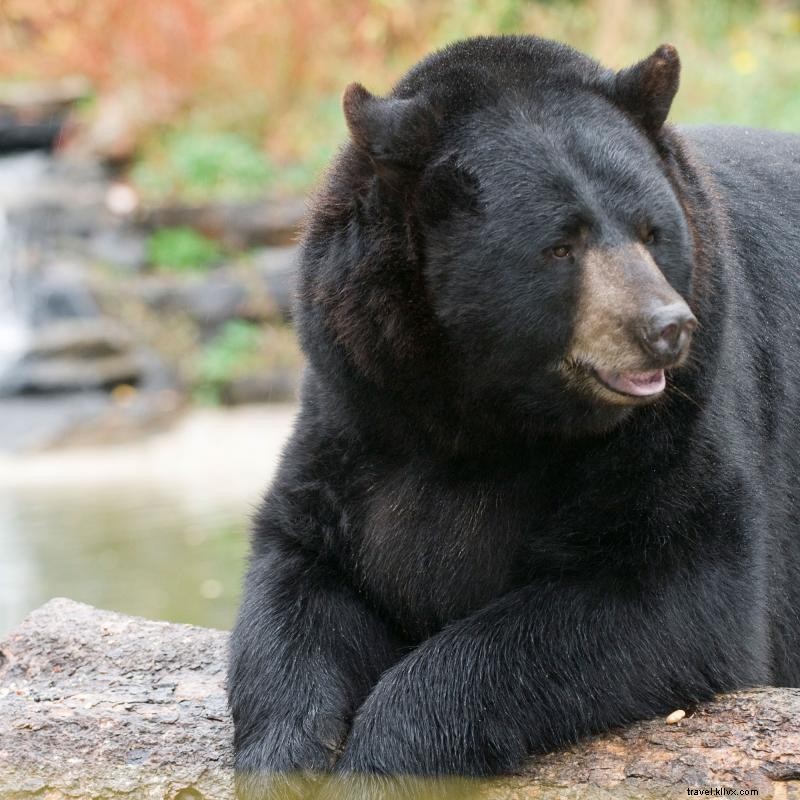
(94, 704)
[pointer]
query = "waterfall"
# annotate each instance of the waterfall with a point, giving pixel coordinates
(14, 332)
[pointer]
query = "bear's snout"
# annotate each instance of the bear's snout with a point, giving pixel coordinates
(631, 326)
(629, 316)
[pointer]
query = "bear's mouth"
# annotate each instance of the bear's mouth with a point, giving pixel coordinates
(632, 384)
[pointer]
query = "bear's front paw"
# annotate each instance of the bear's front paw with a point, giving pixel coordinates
(288, 762)
(394, 755)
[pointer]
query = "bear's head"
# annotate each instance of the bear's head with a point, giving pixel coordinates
(505, 242)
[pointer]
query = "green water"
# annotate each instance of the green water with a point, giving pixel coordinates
(134, 549)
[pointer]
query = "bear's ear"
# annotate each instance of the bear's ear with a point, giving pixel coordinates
(395, 133)
(646, 89)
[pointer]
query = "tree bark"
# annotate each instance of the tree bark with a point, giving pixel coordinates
(95, 704)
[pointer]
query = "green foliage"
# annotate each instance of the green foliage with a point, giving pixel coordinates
(200, 165)
(181, 249)
(739, 62)
(234, 350)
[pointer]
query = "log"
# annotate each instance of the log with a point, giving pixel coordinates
(94, 704)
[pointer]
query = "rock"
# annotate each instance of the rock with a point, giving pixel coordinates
(209, 300)
(95, 704)
(55, 300)
(120, 247)
(33, 115)
(73, 355)
(238, 225)
(59, 292)
(94, 337)
(16, 136)
(216, 300)
(98, 705)
(278, 268)
(70, 374)
(41, 421)
(129, 414)
(272, 387)
(51, 198)
(38, 422)
(41, 99)
(83, 355)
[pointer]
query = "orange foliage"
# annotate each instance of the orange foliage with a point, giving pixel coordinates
(168, 56)
(106, 40)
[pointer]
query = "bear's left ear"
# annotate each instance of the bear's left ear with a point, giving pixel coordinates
(396, 133)
(646, 89)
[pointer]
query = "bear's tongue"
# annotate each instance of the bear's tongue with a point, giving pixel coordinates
(639, 384)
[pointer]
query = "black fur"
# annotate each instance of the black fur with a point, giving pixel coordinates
(463, 561)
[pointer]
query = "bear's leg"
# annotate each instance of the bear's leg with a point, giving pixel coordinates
(305, 652)
(541, 667)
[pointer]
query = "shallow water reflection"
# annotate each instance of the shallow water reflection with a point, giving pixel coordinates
(136, 549)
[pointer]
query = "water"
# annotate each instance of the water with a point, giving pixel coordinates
(133, 549)
(155, 528)
(14, 333)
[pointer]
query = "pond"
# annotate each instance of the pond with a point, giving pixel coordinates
(157, 528)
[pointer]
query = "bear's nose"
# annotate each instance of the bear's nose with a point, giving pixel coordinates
(668, 329)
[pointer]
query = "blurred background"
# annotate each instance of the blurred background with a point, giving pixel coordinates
(154, 160)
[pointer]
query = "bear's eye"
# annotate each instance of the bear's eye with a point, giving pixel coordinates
(561, 251)
(649, 236)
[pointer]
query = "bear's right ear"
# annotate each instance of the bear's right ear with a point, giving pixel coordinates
(397, 134)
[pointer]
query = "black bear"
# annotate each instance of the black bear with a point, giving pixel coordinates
(544, 479)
